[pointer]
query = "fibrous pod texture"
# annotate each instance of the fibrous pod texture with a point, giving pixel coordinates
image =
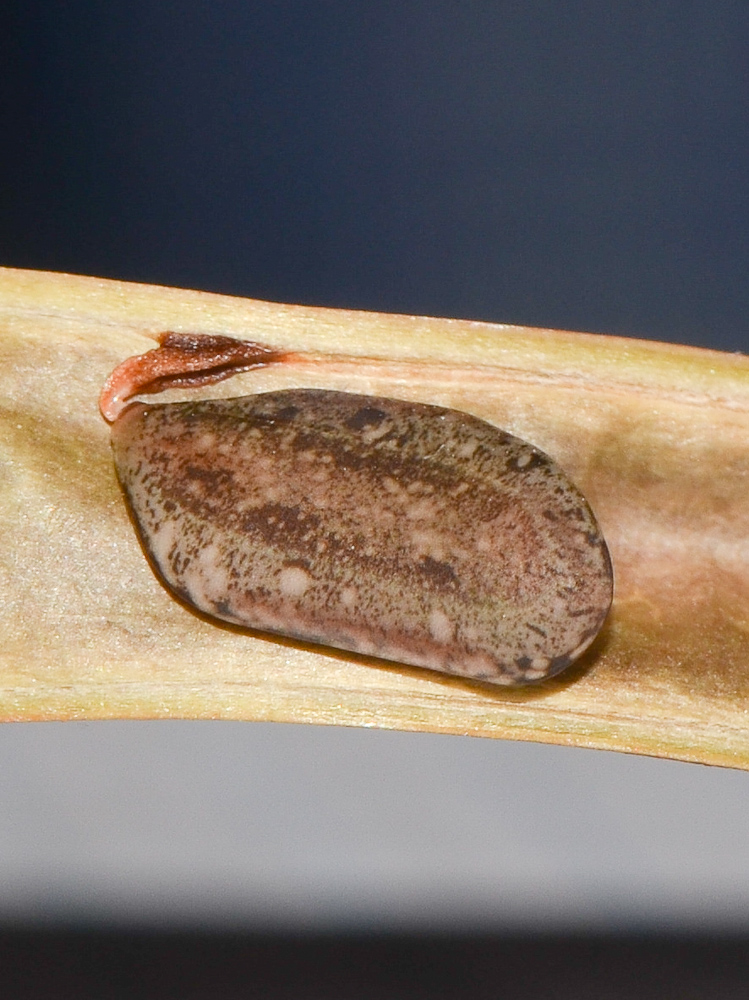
(401, 530)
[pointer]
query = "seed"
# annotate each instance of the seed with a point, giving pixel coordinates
(401, 530)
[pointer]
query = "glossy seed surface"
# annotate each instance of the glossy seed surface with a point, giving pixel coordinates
(406, 531)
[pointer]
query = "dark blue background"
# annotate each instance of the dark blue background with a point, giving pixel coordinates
(579, 165)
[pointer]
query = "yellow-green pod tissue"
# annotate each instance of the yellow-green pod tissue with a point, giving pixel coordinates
(401, 530)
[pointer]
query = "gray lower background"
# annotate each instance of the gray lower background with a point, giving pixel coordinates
(264, 826)
(574, 165)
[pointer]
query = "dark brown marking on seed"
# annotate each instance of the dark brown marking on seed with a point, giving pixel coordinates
(367, 416)
(535, 628)
(440, 542)
(440, 574)
(285, 415)
(209, 479)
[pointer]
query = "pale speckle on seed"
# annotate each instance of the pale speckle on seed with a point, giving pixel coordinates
(440, 626)
(205, 442)
(422, 509)
(374, 432)
(467, 448)
(349, 597)
(294, 581)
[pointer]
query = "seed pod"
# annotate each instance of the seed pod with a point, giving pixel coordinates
(402, 530)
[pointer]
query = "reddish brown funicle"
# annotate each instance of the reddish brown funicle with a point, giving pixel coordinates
(182, 360)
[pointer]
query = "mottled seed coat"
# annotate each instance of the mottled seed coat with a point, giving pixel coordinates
(406, 531)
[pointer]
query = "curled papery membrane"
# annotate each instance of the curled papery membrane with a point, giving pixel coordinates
(181, 360)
